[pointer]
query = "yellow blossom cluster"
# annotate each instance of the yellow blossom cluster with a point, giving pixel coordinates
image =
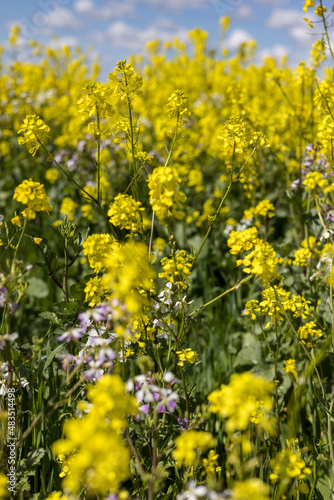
(177, 269)
(186, 356)
(95, 452)
(125, 212)
(96, 248)
(34, 132)
(276, 302)
(242, 241)
(264, 208)
(238, 136)
(165, 198)
(261, 262)
(241, 399)
(288, 465)
(309, 333)
(190, 444)
(33, 195)
(251, 489)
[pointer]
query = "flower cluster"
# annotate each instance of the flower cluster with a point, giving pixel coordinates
(264, 209)
(177, 269)
(125, 212)
(127, 82)
(150, 396)
(165, 198)
(309, 333)
(129, 274)
(186, 356)
(96, 98)
(96, 248)
(189, 444)
(34, 132)
(33, 195)
(261, 262)
(288, 465)
(276, 301)
(238, 136)
(242, 241)
(241, 399)
(178, 105)
(95, 452)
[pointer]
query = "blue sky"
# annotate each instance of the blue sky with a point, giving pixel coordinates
(117, 28)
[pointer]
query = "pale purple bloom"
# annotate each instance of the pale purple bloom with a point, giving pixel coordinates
(71, 334)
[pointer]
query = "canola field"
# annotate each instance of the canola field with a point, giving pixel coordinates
(166, 274)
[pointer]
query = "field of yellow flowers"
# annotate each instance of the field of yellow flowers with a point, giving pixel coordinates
(166, 274)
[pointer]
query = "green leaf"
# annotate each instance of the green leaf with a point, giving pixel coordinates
(251, 352)
(50, 357)
(325, 483)
(37, 288)
(77, 290)
(50, 316)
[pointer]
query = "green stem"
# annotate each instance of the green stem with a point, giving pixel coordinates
(232, 181)
(185, 392)
(174, 140)
(98, 162)
(234, 287)
(83, 190)
(65, 275)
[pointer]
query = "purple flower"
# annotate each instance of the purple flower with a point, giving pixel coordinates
(71, 334)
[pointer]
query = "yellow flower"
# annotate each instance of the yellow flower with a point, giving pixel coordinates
(178, 105)
(189, 443)
(125, 212)
(68, 208)
(95, 452)
(319, 10)
(177, 269)
(251, 489)
(308, 4)
(238, 136)
(34, 132)
(262, 262)
(96, 248)
(16, 221)
(308, 333)
(186, 355)
(241, 241)
(52, 175)
(3, 487)
(33, 195)
(165, 198)
(37, 240)
(310, 25)
(288, 465)
(241, 400)
(290, 367)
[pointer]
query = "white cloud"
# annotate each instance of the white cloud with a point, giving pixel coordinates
(236, 38)
(278, 52)
(84, 6)
(62, 18)
(292, 20)
(180, 4)
(273, 3)
(110, 10)
(244, 12)
(70, 41)
(285, 18)
(132, 38)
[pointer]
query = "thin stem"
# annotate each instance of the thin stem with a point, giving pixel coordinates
(234, 287)
(232, 181)
(98, 162)
(65, 283)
